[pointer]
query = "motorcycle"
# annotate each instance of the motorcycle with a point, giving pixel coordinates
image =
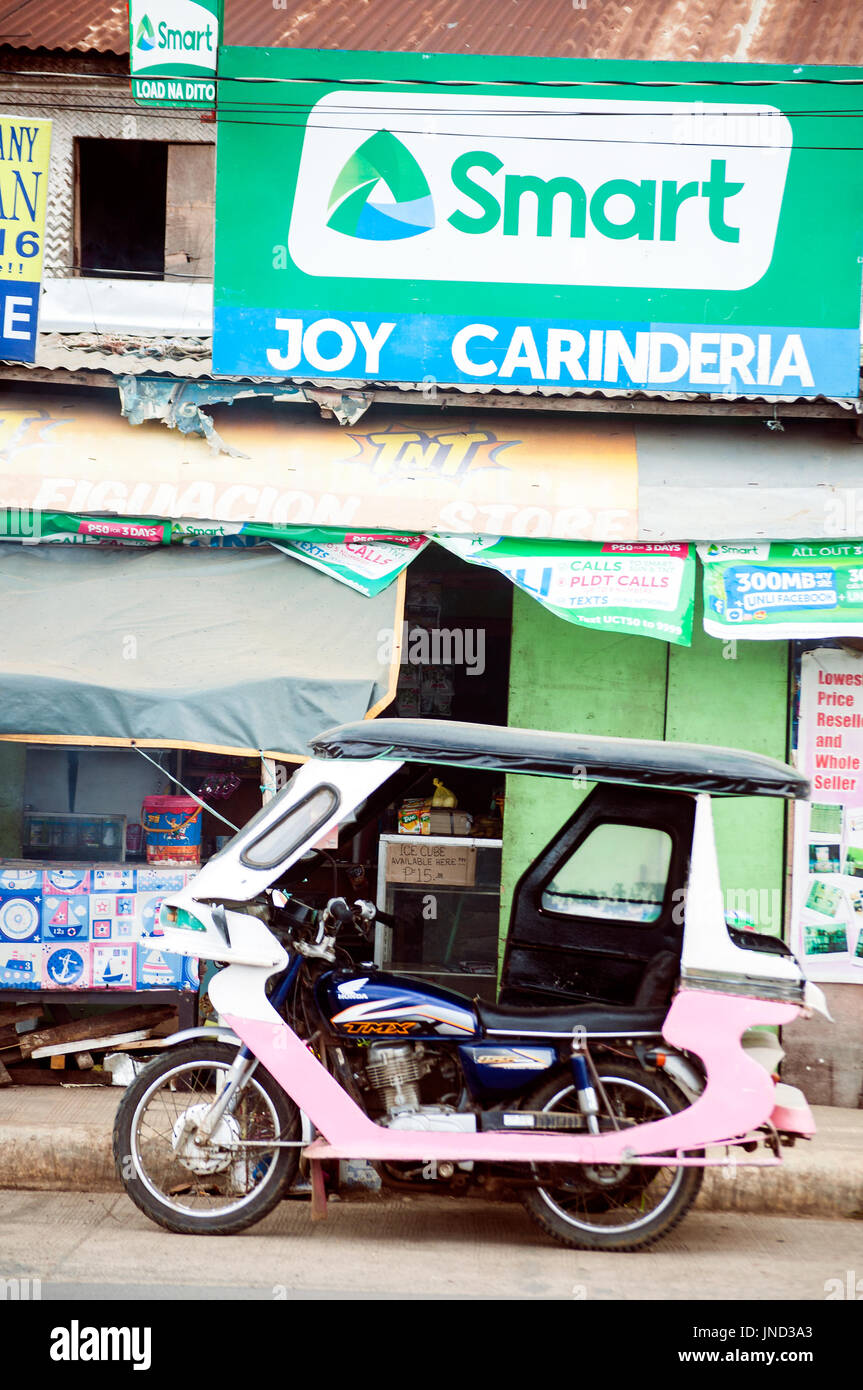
(627, 1053)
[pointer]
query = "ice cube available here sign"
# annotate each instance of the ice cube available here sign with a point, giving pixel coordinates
(538, 222)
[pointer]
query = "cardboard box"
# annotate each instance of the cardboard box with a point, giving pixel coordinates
(416, 862)
(418, 817)
(445, 822)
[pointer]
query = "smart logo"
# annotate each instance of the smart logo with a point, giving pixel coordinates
(145, 38)
(381, 193)
(541, 191)
(175, 37)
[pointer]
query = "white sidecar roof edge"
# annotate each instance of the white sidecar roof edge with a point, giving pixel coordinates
(321, 794)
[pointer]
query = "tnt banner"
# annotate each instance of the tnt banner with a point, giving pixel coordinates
(173, 50)
(783, 590)
(827, 915)
(644, 589)
(538, 222)
(25, 150)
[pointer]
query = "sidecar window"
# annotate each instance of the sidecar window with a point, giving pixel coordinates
(618, 871)
(299, 822)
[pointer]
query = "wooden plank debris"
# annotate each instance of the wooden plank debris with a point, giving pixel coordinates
(87, 1031)
(25, 1012)
(84, 1045)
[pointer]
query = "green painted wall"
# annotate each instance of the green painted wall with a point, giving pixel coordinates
(577, 681)
(12, 757)
(736, 693)
(580, 680)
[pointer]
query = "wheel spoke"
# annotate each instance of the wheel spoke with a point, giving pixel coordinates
(210, 1178)
(610, 1199)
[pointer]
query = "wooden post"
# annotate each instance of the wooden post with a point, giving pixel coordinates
(319, 1191)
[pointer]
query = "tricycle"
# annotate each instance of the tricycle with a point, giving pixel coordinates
(632, 1044)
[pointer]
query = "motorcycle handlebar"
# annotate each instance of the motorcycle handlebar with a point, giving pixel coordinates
(339, 911)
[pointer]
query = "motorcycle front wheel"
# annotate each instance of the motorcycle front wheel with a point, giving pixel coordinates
(220, 1187)
(612, 1206)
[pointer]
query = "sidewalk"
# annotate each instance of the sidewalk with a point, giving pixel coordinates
(59, 1139)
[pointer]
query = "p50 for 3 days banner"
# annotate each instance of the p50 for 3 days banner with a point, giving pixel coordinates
(785, 589)
(538, 222)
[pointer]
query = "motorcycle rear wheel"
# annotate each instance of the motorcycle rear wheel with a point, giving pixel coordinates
(214, 1190)
(612, 1206)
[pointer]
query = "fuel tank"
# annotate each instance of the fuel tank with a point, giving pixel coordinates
(377, 1005)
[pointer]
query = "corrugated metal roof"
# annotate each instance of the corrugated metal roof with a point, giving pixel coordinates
(764, 31)
(81, 24)
(191, 358)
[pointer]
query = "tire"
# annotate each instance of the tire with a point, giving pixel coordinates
(612, 1207)
(213, 1192)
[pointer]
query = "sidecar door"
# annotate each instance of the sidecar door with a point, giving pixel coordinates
(599, 914)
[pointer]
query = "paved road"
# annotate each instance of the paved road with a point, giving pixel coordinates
(98, 1245)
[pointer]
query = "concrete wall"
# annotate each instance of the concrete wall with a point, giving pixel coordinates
(826, 1059)
(12, 758)
(110, 781)
(582, 680)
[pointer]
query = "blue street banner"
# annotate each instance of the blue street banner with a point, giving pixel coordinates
(25, 151)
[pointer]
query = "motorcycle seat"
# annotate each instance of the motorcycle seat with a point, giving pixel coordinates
(608, 1020)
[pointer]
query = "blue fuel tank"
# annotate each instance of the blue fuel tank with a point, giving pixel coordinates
(377, 1005)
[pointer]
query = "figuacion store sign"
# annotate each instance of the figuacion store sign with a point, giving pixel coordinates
(604, 229)
(25, 151)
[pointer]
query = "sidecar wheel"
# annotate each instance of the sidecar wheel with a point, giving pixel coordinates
(218, 1189)
(612, 1206)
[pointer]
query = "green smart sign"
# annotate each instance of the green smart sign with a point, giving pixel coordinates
(173, 48)
(539, 222)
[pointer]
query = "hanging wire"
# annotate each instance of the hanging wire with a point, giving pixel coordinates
(178, 783)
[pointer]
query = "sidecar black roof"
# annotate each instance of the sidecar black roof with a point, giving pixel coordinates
(679, 766)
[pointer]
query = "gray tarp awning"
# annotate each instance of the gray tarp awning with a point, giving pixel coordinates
(235, 651)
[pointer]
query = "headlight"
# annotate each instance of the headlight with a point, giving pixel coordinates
(179, 917)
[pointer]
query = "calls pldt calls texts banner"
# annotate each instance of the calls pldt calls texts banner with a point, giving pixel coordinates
(538, 222)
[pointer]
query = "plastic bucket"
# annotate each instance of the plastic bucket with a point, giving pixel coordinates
(172, 830)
